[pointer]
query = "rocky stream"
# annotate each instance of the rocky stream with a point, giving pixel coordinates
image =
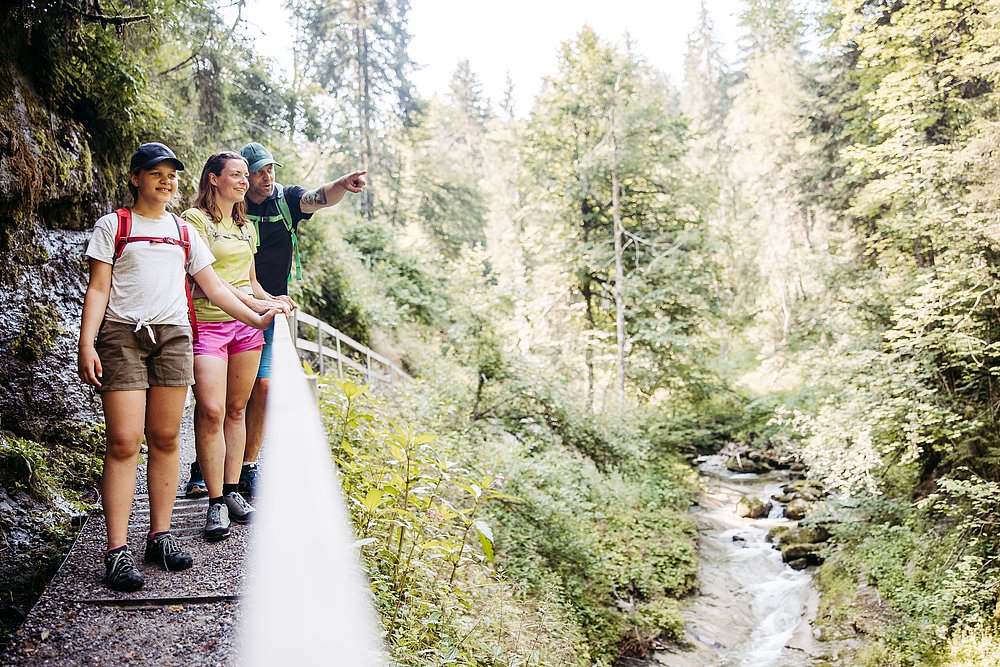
(753, 608)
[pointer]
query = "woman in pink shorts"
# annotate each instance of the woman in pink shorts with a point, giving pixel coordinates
(226, 351)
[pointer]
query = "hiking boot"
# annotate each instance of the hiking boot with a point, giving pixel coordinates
(120, 573)
(217, 523)
(164, 549)
(196, 485)
(249, 478)
(240, 510)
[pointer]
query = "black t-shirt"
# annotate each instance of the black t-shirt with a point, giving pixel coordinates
(273, 260)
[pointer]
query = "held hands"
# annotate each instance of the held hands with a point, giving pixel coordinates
(280, 303)
(352, 182)
(89, 366)
(287, 300)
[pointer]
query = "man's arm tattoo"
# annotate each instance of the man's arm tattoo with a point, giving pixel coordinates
(315, 197)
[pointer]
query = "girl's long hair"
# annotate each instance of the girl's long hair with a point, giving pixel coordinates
(206, 200)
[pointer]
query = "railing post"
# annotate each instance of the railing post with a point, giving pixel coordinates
(340, 364)
(319, 342)
(368, 365)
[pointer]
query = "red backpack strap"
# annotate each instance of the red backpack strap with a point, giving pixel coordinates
(124, 230)
(185, 236)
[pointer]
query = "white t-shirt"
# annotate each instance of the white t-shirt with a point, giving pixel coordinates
(147, 281)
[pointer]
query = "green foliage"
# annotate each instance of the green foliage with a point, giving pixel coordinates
(70, 471)
(39, 333)
(931, 564)
(419, 293)
(445, 539)
(428, 542)
(327, 290)
(668, 300)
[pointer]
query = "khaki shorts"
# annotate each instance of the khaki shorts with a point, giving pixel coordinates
(131, 359)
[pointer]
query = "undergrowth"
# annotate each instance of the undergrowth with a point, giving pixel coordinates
(488, 548)
(919, 579)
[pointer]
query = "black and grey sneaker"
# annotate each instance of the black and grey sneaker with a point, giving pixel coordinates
(240, 510)
(249, 480)
(119, 571)
(217, 523)
(163, 548)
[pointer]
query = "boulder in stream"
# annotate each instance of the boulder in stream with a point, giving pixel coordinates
(753, 508)
(797, 509)
(777, 534)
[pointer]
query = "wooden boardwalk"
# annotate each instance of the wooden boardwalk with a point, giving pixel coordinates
(178, 618)
(192, 618)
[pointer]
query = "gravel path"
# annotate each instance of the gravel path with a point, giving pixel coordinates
(184, 618)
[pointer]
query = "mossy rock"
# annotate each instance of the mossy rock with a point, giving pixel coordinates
(807, 552)
(808, 535)
(753, 508)
(778, 534)
(40, 329)
(797, 509)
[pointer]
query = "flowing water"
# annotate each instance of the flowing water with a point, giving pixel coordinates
(752, 609)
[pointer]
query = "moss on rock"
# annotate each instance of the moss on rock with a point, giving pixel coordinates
(41, 327)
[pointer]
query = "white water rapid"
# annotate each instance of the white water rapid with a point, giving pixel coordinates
(752, 609)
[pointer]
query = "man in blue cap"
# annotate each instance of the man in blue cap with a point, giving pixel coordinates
(276, 210)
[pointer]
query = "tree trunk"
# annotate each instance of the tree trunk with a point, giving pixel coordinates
(588, 348)
(364, 104)
(616, 214)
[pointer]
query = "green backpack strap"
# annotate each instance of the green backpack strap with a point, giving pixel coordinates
(286, 217)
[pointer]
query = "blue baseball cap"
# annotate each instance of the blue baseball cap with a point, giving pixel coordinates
(153, 153)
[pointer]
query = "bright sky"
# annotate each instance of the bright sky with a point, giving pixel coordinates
(522, 37)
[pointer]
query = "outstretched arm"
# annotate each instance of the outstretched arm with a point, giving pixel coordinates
(333, 192)
(220, 293)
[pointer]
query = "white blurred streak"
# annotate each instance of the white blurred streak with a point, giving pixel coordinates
(307, 600)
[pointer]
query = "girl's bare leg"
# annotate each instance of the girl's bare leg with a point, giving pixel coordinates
(241, 376)
(124, 413)
(163, 436)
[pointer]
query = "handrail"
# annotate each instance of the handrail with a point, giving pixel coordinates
(309, 602)
(388, 374)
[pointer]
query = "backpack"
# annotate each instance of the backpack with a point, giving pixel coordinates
(124, 237)
(284, 215)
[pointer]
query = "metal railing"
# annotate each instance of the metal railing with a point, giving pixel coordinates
(335, 348)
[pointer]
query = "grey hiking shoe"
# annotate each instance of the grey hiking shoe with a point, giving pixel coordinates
(217, 523)
(120, 573)
(164, 549)
(240, 510)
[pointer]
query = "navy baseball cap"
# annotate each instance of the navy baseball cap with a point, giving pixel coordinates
(153, 153)
(257, 156)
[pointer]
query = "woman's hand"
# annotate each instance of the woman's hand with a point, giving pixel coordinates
(287, 300)
(89, 366)
(264, 305)
(267, 318)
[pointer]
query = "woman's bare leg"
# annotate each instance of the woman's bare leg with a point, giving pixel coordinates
(209, 413)
(242, 373)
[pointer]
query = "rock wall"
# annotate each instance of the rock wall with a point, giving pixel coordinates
(50, 194)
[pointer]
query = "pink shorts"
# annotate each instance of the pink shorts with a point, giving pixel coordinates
(225, 339)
